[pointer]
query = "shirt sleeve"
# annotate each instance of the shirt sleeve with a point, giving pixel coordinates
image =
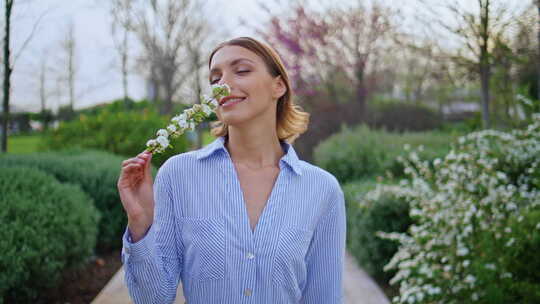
(153, 264)
(326, 256)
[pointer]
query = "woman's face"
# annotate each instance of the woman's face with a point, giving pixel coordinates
(255, 89)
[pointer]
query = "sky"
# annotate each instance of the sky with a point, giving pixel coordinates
(99, 79)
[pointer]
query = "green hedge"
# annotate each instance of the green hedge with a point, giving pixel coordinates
(96, 173)
(368, 214)
(361, 152)
(46, 226)
(121, 133)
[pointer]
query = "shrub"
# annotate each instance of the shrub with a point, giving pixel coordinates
(96, 172)
(46, 226)
(121, 133)
(361, 152)
(473, 212)
(368, 214)
(400, 116)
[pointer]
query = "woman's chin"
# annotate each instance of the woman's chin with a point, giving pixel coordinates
(232, 119)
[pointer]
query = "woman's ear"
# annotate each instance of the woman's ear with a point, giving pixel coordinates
(279, 87)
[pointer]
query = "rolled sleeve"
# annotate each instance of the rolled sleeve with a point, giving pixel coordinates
(325, 259)
(140, 250)
(153, 264)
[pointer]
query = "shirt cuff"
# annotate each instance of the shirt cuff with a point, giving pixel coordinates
(140, 250)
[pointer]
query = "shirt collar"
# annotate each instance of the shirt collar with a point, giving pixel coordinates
(290, 157)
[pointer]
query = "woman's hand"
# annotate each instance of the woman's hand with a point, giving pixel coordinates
(135, 186)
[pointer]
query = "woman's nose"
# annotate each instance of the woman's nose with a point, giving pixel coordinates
(225, 80)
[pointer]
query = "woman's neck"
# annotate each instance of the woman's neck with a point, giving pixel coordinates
(254, 150)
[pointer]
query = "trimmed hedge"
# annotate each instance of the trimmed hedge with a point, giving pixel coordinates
(46, 227)
(120, 133)
(360, 152)
(97, 174)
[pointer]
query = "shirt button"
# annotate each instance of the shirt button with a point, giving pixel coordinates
(250, 255)
(247, 292)
(126, 249)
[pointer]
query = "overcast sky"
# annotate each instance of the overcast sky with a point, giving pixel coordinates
(99, 79)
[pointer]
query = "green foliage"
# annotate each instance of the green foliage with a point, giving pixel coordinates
(22, 144)
(361, 152)
(46, 226)
(121, 133)
(367, 215)
(96, 172)
(401, 116)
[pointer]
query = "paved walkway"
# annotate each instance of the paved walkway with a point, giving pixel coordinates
(359, 288)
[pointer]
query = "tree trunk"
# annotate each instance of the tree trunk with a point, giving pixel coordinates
(167, 102)
(7, 76)
(538, 63)
(124, 68)
(484, 78)
(484, 62)
(361, 92)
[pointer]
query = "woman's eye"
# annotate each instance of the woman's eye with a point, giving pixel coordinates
(245, 71)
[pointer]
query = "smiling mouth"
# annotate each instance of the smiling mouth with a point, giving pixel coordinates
(231, 101)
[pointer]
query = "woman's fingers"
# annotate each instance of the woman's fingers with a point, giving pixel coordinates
(134, 160)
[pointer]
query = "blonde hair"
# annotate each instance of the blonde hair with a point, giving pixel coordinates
(291, 120)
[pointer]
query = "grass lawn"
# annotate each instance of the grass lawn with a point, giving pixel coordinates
(20, 144)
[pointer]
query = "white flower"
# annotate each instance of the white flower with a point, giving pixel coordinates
(470, 279)
(506, 275)
(490, 266)
(171, 128)
(189, 112)
(163, 141)
(462, 251)
(538, 226)
(466, 263)
(162, 132)
(206, 109)
(510, 242)
(151, 143)
(183, 124)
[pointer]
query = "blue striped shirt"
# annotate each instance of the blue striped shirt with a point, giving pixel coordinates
(201, 235)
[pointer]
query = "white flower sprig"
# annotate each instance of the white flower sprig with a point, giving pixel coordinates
(189, 119)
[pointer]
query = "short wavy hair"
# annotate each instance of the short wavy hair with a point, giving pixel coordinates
(291, 120)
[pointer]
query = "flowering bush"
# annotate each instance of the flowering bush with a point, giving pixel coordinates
(476, 220)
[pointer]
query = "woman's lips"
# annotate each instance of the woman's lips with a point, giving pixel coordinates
(232, 101)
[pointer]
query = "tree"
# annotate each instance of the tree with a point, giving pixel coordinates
(70, 56)
(475, 30)
(538, 63)
(342, 43)
(162, 30)
(7, 74)
(121, 11)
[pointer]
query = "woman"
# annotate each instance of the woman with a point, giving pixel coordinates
(242, 220)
